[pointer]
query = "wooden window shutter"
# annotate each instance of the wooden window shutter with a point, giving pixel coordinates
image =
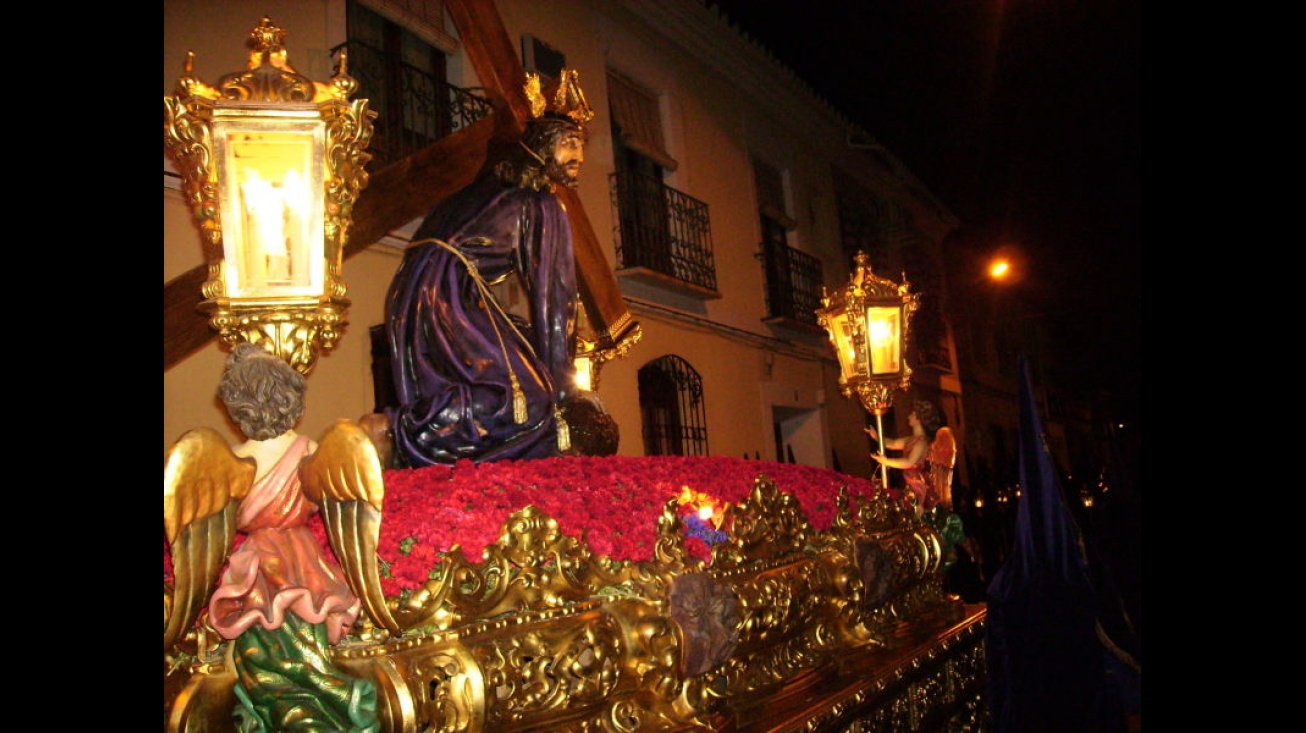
(635, 112)
(425, 18)
(771, 194)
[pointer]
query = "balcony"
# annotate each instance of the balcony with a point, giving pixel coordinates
(663, 237)
(414, 108)
(793, 287)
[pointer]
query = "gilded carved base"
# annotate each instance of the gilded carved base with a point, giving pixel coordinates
(846, 629)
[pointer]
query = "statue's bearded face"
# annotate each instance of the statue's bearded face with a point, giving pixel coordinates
(563, 165)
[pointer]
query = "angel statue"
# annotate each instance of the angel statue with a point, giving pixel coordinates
(282, 601)
(928, 457)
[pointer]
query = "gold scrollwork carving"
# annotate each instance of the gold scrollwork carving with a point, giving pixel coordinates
(568, 664)
(542, 631)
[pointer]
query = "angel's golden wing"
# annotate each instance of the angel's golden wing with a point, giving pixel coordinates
(344, 477)
(202, 479)
(943, 456)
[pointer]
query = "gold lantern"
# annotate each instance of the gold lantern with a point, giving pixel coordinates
(587, 362)
(588, 353)
(271, 164)
(869, 322)
(589, 358)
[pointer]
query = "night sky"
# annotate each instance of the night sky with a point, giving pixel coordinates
(1024, 118)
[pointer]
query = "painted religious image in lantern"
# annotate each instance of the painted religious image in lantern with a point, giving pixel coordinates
(273, 225)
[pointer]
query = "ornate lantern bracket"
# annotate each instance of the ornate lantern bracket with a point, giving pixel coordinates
(271, 165)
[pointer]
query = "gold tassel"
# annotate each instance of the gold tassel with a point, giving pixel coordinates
(564, 433)
(518, 401)
(488, 300)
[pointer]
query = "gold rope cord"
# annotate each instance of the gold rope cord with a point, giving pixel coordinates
(487, 298)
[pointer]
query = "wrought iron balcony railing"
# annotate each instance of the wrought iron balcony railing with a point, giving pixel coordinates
(793, 284)
(662, 230)
(414, 108)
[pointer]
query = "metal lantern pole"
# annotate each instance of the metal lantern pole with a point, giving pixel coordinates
(879, 431)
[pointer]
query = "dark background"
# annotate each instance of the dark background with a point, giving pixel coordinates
(1024, 118)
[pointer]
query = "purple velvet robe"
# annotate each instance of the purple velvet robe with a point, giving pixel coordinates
(452, 351)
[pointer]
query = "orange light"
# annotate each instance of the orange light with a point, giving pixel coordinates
(999, 269)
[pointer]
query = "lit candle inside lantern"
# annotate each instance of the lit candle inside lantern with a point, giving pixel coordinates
(584, 374)
(882, 334)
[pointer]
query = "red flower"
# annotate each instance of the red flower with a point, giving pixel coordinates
(613, 501)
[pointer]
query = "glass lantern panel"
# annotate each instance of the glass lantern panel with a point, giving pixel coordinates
(584, 373)
(884, 338)
(845, 345)
(272, 179)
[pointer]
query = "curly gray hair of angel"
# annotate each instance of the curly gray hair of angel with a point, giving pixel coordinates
(263, 394)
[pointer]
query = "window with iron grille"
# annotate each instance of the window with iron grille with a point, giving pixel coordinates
(671, 408)
(793, 278)
(642, 211)
(403, 77)
(793, 284)
(657, 228)
(397, 72)
(664, 231)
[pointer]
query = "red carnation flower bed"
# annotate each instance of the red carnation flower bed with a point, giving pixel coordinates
(612, 502)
